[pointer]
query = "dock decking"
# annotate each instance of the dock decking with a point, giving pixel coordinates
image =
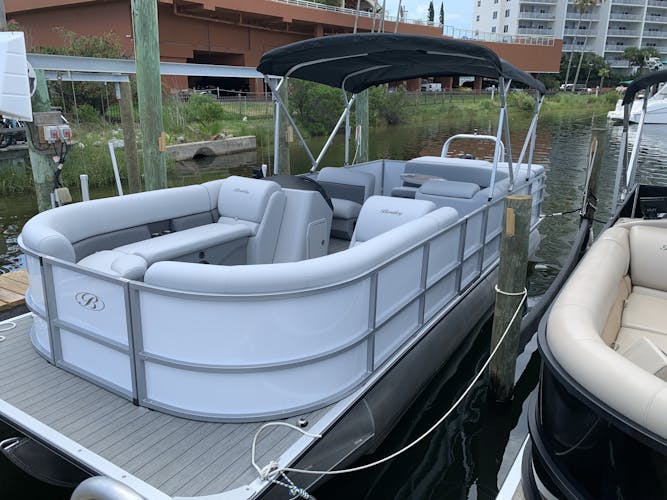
(12, 289)
(180, 457)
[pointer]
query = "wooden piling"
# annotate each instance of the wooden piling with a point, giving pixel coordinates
(149, 90)
(512, 281)
(41, 162)
(129, 137)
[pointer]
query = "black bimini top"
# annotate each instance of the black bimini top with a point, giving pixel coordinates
(358, 61)
(643, 83)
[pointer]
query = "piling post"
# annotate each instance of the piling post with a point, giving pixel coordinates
(511, 284)
(598, 146)
(129, 137)
(40, 161)
(361, 118)
(149, 90)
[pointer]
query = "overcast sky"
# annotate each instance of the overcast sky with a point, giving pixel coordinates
(457, 12)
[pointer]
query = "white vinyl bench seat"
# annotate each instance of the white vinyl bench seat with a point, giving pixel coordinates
(173, 245)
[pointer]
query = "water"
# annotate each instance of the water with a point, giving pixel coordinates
(468, 456)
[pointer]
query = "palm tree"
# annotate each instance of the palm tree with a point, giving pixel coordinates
(580, 6)
(603, 73)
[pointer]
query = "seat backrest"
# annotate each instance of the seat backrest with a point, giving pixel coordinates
(648, 257)
(258, 204)
(382, 213)
(455, 169)
(347, 183)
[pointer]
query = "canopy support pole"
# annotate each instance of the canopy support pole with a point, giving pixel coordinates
(345, 113)
(622, 158)
(632, 170)
(347, 130)
(508, 144)
(530, 137)
(502, 90)
(274, 90)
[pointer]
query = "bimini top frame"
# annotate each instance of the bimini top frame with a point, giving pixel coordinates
(626, 169)
(355, 62)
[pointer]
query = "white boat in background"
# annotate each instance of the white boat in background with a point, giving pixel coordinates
(656, 109)
(325, 301)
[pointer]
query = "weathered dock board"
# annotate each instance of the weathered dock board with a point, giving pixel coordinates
(12, 289)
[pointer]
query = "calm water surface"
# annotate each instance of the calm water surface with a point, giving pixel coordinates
(470, 454)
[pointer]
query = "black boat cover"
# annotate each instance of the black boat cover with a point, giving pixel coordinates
(643, 83)
(355, 62)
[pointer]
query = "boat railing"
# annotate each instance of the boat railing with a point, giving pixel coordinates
(477, 137)
(162, 347)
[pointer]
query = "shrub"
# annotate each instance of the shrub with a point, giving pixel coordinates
(315, 107)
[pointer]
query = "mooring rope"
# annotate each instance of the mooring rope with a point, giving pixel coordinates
(272, 470)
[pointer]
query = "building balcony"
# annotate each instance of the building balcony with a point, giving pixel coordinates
(584, 17)
(657, 3)
(615, 48)
(618, 63)
(630, 33)
(656, 19)
(541, 2)
(619, 16)
(526, 14)
(655, 34)
(535, 31)
(578, 33)
(629, 2)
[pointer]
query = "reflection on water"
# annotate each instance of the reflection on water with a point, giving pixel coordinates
(463, 458)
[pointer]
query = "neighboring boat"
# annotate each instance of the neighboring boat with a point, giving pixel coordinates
(598, 425)
(176, 321)
(656, 106)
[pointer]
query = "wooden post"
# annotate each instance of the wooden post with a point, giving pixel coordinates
(598, 146)
(149, 90)
(361, 115)
(129, 137)
(512, 280)
(41, 162)
(284, 130)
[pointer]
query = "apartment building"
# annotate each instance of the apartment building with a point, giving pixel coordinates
(606, 29)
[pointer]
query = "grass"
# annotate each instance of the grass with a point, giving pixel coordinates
(239, 117)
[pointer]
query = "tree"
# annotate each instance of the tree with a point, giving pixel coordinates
(431, 12)
(581, 6)
(603, 73)
(442, 14)
(639, 57)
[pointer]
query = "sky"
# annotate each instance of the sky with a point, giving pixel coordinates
(458, 13)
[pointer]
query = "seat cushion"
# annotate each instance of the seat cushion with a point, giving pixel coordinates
(627, 337)
(116, 263)
(648, 254)
(245, 199)
(182, 243)
(452, 189)
(404, 191)
(381, 213)
(645, 312)
(345, 209)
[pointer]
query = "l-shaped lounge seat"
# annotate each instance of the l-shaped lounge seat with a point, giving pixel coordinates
(608, 318)
(237, 219)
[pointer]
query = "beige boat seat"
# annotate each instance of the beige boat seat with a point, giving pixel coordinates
(608, 326)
